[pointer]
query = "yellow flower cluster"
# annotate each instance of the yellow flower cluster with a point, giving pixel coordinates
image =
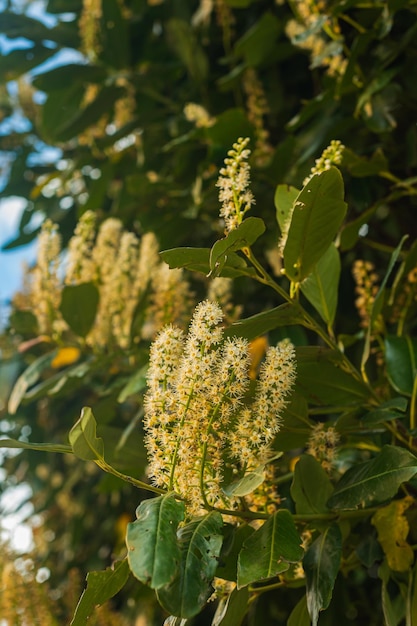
(322, 445)
(196, 421)
(366, 289)
(127, 271)
(332, 155)
(257, 107)
(233, 182)
(317, 32)
(198, 115)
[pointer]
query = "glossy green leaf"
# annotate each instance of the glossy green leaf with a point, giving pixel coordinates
(200, 542)
(41, 447)
(284, 199)
(296, 425)
(322, 380)
(391, 410)
(198, 260)
(153, 551)
(311, 486)
(269, 550)
(232, 610)
(101, 586)
(321, 286)
(241, 237)
(83, 437)
(261, 323)
(249, 482)
(393, 605)
(79, 307)
(317, 215)
(28, 378)
(374, 481)
(321, 565)
(401, 360)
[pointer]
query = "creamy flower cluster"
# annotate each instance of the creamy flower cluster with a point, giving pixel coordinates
(127, 272)
(196, 420)
(235, 196)
(322, 445)
(332, 155)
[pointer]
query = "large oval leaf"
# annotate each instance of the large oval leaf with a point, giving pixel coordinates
(79, 307)
(321, 286)
(285, 196)
(374, 481)
(317, 215)
(268, 551)
(401, 359)
(153, 551)
(200, 543)
(321, 564)
(311, 486)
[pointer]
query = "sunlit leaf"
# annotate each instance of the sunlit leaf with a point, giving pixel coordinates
(393, 528)
(200, 542)
(153, 551)
(41, 447)
(83, 437)
(285, 196)
(269, 550)
(374, 481)
(261, 323)
(321, 565)
(241, 237)
(29, 377)
(101, 586)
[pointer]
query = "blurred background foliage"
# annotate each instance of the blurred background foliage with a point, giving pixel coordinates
(127, 109)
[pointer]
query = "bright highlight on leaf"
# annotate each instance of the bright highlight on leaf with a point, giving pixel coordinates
(393, 529)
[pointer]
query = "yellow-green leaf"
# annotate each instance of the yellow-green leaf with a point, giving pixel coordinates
(393, 528)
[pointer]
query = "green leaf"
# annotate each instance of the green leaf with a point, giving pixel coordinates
(200, 542)
(321, 286)
(185, 44)
(401, 360)
(322, 380)
(234, 538)
(101, 586)
(259, 42)
(261, 323)
(83, 118)
(69, 74)
(374, 481)
(317, 215)
(83, 438)
(229, 125)
(284, 199)
(321, 565)
(79, 307)
(135, 384)
(232, 610)
(299, 615)
(391, 410)
(249, 482)
(29, 377)
(198, 260)
(267, 552)
(18, 62)
(115, 48)
(41, 447)
(379, 301)
(412, 599)
(153, 551)
(311, 486)
(241, 237)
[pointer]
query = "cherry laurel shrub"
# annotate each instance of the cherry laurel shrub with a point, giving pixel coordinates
(281, 453)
